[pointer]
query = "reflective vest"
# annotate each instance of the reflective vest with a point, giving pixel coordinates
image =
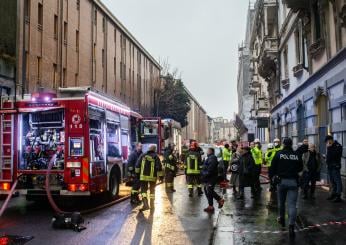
(226, 154)
(257, 155)
(193, 163)
(147, 170)
(269, 156)
(169, 163)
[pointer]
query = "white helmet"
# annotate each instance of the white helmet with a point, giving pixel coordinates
(257, 141)
(270, 146)
(276, 140)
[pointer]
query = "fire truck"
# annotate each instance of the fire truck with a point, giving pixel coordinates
(85, 134)
(161, 132)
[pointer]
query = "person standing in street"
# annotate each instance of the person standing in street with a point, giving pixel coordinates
(149, 168)
(286, 166)
(210, 179)
(303, 148)
(234, 181)
(258, 157)
(226, 158)
(131, 165)
(311, 171)
(333, 160)
(246, 172)
(268, 157)
(193, 165)
(170, 166)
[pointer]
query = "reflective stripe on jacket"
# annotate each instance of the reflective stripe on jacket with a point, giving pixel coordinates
(269, 156)
(257, 155)
(149, 167)
(193, 163)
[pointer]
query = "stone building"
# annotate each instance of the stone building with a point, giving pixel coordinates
(76, 43)
(223, 130)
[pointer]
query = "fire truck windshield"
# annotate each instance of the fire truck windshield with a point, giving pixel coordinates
(41, 139)
(149, 128)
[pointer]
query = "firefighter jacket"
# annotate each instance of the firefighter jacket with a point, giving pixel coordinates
(268, 157)
(193, 163)
(226, 154)
(257, 155)
(170, 163)
(149, 167)
(131, 162)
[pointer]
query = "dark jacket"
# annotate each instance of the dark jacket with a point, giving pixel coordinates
(235, 162)
(302, 149)
(246, 164)
(287, 164)
(334, 154)
(144, 167)
(210, 170)
(133, 158)
(306, 158)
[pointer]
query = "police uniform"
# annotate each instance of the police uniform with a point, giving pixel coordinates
(193, 166)
(170, 166)
(149, 169)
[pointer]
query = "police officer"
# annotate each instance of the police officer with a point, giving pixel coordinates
(258, 157)
(226, 158)
(268, 157)
(131, 165)
(193, 166)
(149, 169)
(170, 166)
(286, 166)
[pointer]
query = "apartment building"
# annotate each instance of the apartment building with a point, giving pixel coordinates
(72, 43)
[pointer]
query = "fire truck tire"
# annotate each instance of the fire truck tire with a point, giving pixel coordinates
(114, 184)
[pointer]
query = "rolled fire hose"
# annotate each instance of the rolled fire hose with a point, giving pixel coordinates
(4, 206)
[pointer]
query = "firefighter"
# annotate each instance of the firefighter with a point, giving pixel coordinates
(184, 152)
(149, 168)
(268, 157)
(131, 165)
(193, 165)
(258, 157)
(170, 166)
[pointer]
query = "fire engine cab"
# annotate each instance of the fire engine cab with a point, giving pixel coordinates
(85, 134)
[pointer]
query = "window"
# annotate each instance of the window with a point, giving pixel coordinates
(27, 10)
(115, 35)
(77, 40)
(76, 79)
(113, 140)
(317, 21)
(55, 68)
(39, 61)
(115, 68)
(103, 57)
(103, 24)
(65, 32)
(63, 77)
(299, 44)
(343, 116)
(55, 26)
(78, 4)
(95, 17)
(94, 52)
(285, 61)
(40, 16)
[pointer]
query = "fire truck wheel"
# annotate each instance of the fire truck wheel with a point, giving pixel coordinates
(113, 185)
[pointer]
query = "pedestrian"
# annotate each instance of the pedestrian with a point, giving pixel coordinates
(134, 177)
(170, 166)
(210, 179)
(235, 162)
(311, 170)
(333, 160)
(246, 172)
(258, 157)
(286, 166)
(268, 158)
(193, 165)
(303, 147)
(149, 169)
(226, 158)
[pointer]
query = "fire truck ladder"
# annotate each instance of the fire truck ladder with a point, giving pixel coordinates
(6, 139)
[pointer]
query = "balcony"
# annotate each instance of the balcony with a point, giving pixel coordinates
(268, 55)
(298, 70)
(269, 45)
(317, 48)
(285, 83)
(262, 104)
(297, 4)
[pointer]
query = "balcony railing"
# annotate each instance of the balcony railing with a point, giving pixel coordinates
(269, 44)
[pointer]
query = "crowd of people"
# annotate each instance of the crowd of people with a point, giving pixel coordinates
(288, 170)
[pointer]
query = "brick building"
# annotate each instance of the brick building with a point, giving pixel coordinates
(79, 43)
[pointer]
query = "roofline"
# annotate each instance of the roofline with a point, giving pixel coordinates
(103, 7)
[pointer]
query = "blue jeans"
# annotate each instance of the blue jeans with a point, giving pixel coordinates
(288, 189)
(335, 180)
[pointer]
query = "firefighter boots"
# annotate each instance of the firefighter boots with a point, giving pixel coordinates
(145, 205)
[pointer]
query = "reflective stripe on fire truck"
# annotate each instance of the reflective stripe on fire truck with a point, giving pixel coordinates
(85, 168)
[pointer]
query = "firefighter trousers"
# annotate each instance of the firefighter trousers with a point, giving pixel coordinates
(145, 185)
(135, 190)
(169, 179)
(193, 180)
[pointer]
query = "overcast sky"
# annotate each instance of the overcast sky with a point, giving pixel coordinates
(199, 37)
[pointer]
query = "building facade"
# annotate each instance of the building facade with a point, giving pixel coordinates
(78, 43)
(245, 99)
(198, 122)
(223, 130)
(311, 102)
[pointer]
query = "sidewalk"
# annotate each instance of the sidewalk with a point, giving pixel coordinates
(254, 221)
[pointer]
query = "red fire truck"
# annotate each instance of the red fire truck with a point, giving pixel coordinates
(85, 135)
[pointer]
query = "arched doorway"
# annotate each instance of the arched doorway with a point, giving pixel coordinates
(301, 122)
(322, 121)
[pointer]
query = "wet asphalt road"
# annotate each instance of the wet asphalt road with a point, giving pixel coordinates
(176, 219)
